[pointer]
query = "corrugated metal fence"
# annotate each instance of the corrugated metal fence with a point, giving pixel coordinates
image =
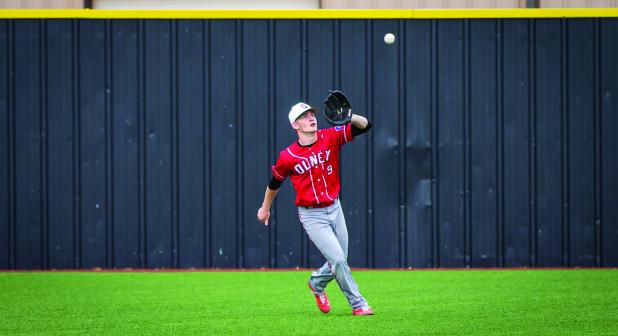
(147, 143)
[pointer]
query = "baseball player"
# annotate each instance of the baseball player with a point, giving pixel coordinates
(312, 162)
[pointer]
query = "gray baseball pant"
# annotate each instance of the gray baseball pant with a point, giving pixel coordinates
(327, 230)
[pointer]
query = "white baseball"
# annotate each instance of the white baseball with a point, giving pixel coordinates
(389, 38)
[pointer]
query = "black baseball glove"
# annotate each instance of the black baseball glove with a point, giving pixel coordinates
(337, 108)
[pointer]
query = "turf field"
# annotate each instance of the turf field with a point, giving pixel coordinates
(525, 302)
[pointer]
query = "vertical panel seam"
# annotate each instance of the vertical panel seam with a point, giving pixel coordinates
(272, 85)
(564, 143)
(175, 147)
(76, 146)
(209, 112)
(206, 162)
(11, 141)
(435, 145)
(337, 53)
(205, 143)
(240, 143)
(403, 262)
(142, 141)
(44, 145)
(532, 140)
(597, 144)
(500, 139)
(109, 175)
(369, 148)
(467, 146)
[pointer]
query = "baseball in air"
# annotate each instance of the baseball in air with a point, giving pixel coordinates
(389, 38)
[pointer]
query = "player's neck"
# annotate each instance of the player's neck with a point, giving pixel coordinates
(306, 139)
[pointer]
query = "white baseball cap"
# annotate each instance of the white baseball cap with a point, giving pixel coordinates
(299, 109)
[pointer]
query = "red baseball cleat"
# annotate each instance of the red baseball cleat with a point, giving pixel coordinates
(321, 299)
(365, 310)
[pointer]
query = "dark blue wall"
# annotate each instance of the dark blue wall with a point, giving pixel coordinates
(147, 143)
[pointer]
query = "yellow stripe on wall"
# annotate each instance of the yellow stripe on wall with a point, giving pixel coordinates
(308, 13)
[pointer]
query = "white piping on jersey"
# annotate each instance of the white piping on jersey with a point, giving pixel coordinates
(296, 156)
(345, 136)
(310, 175)
(312, 186)
(326, 187)
(323, 179)
(275, 171)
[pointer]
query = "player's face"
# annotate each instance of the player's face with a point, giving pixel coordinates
(307, 122)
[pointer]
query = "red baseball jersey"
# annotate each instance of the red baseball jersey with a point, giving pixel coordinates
(314, 169)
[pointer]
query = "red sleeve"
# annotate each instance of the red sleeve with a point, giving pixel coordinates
(281, 168)
(342, 134)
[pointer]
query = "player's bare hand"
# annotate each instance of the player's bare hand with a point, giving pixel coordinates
(263, 215)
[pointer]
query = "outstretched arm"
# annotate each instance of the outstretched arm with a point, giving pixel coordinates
(263, 214)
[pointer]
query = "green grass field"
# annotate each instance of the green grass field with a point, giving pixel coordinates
(466, 302)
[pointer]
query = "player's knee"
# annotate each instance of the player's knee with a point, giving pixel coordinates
(338, 263)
